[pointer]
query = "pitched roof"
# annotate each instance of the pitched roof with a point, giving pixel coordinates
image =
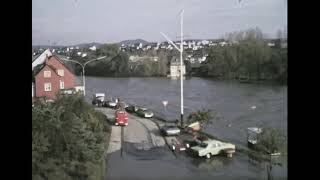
(39, 67)
(62, 62)
(36, 72)
(41, 58)
(35, 57)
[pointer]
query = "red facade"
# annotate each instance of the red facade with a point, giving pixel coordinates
(49, 85)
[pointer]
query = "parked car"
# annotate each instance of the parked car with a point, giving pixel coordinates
(109, 103)
(131, 108)
(121, 118)
(98, 99)
(196, 141)
(210, 148)
(177, 146)
(190, 144)
(170, 130)
(144, 112)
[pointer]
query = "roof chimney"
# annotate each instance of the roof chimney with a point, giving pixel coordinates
(47, 59)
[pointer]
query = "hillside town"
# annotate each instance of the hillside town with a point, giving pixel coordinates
(195, 50)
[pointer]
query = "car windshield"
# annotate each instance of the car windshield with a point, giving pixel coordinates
(204, 145)
(171, 127)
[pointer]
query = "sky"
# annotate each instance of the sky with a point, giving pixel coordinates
(68, 22)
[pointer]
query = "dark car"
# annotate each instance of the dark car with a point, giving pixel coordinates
(144, 112)
(170, 130)
(131, 108)
(98, 99)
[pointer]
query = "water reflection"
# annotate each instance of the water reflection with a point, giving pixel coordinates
(274, 167)
(212, 164)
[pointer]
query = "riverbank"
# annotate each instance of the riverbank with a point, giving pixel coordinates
(236, 80)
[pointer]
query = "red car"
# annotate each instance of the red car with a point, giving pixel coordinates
(121, 118)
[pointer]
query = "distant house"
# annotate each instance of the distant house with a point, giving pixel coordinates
(223, 43)
(52, 76)
(205, 42)
(175, 68)
(271, 44)
(94, 48)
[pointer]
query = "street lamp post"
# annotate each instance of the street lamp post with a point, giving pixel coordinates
(83, 66)
(181, 61)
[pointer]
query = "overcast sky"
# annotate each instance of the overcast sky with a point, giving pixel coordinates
(68, 22)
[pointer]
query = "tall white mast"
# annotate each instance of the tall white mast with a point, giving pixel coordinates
(181, 70)
(181, 62)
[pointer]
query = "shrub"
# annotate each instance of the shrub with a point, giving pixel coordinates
(69, 139)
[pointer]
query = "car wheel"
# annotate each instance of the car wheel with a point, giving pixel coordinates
(208, 156)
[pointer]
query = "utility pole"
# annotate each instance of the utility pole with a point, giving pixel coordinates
(181, 61)
(83, 72)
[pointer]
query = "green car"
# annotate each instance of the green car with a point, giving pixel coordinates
(210, 148)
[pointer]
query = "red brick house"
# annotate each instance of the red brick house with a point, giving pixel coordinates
(52, 76)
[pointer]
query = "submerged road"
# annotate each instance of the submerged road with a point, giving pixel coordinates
(138, 151)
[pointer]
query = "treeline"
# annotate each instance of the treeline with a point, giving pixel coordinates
(252, 58)
(120, 66)
(249, 57)
(69, 140)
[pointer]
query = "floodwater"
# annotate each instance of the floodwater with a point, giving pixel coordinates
(237, 105)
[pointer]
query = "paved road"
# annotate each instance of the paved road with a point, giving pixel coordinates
(141, 132)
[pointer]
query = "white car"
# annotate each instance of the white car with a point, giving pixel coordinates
(210, 148)
(112, 104)
(109, 103)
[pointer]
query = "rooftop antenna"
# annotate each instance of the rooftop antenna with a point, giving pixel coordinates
(181, 51)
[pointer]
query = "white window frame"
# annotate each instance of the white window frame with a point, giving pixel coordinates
(47, 87)
(60, 72)
(47, 74)
(61, 84)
